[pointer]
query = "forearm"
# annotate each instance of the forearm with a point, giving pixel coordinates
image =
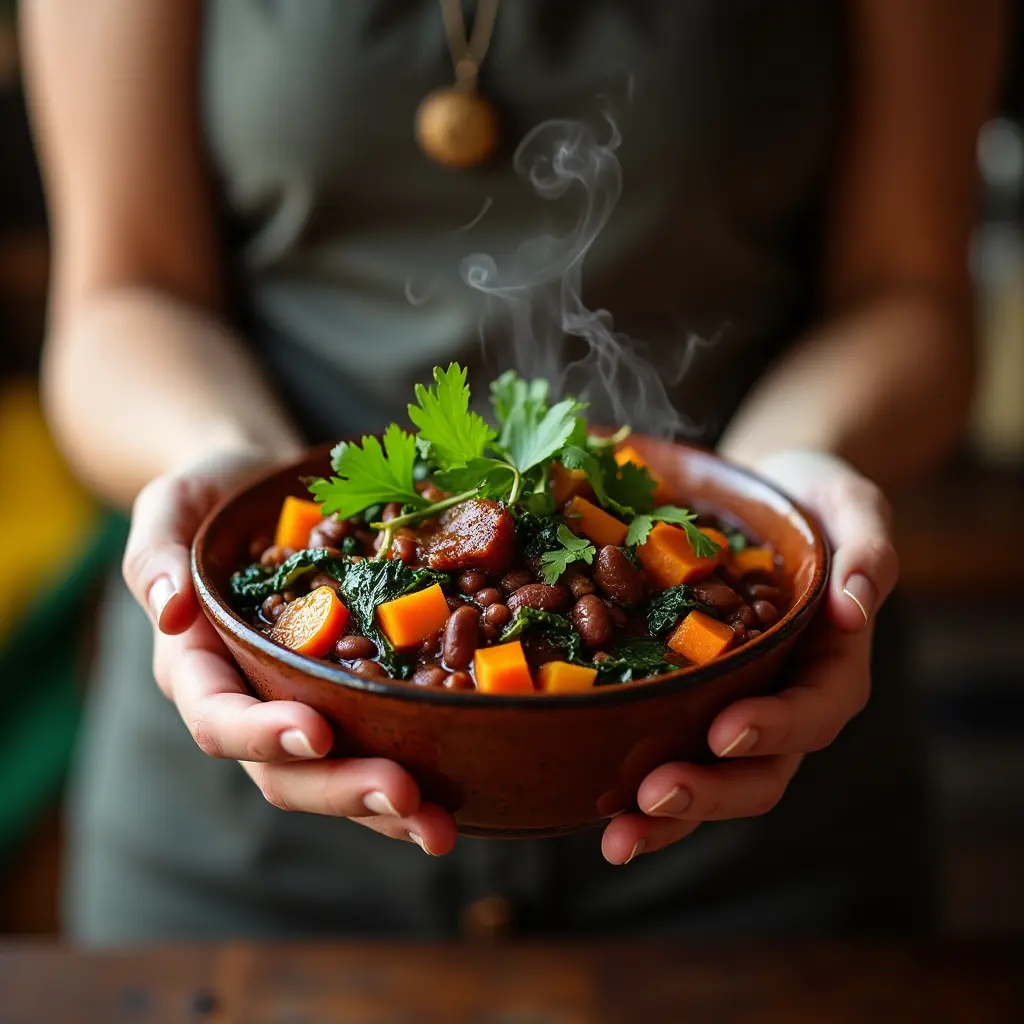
(137, 383)
(886, 386)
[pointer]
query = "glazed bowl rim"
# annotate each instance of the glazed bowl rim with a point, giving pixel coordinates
(669, 682)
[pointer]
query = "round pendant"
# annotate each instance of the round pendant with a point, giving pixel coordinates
(456, 127)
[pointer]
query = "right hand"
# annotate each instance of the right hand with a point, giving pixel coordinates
(281, 744)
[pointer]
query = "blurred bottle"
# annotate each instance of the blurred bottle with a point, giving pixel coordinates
(997, 264)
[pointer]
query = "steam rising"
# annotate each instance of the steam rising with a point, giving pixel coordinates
(541, 286)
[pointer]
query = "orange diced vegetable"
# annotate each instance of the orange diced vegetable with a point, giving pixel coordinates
(594, 523)
(408, 620)
(312, 623)
(563, 677)
(297, 518)
(630, 454)
(669, 560)
(752, 560)
(722, 554)
(502, 669)
(700, 638)
(566, 483)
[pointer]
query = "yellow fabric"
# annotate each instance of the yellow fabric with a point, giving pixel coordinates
(45, 515)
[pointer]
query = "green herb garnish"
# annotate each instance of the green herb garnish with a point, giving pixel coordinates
(641, 526)
(571, 549)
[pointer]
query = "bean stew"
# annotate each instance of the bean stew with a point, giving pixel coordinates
(529, 556)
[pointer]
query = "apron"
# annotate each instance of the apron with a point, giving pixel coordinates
(694, 140)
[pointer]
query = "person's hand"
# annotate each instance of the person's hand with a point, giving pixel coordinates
(281, 744)
(762, 740)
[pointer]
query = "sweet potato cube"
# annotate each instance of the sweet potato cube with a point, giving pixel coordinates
(751, 560)
(297, 518)
(502, 669)
(594, 523)
(563, 677)
(700, 638)
(669, 560)
(409, 619)
(566, 483)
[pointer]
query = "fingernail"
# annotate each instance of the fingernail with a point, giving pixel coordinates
(378, 803)
(296, 743)
(675, 801)
(638, 847)
(418, 840)
(161, 592)
(861, 592)
(742, 744)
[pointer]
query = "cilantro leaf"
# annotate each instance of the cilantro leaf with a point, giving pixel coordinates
(668, 607)
(370, 474)
(641, 526)
(631, 486)
(456, 435)
(598, 469)
(573, 549)
(530, 440)
(510, 393)
(491, 476)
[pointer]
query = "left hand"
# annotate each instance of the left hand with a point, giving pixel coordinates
(762, 740)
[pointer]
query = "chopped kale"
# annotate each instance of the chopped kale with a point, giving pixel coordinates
(537, 534)
(668, 607)
(635, 657)
(255, 583)
(556, 629)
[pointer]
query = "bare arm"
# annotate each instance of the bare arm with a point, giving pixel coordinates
(885, 381)
(140, 373)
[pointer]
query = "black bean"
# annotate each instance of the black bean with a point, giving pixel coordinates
(615, 613)
(329, 533)
(290, 595)
(577, 583)
(459, 681)
(766, 613)
(258, 546)
(743, 618)
(367, 669)
(461, 637)
(471, 581)
(616, 575)
(430, 645)
(272, 607)
(765, 592)
(718, 595)
(404, 548)
(591, 619)
(515, 579)
(489, 595)
(321, 579)
(497, 614)
(453, 602)
(539, 596)
(490, 632)
(353, 646)
(429, 675)
(275, 555)
(392, 510)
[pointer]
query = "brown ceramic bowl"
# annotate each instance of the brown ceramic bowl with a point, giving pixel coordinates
(525, 765)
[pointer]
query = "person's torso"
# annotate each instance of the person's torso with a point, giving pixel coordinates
(350, 243)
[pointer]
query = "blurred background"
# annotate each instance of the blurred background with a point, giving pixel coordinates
(967, 602)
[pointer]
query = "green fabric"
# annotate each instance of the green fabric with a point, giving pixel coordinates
(40, 692)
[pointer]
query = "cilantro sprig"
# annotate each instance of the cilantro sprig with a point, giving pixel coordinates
(573, 549)
(510, 462)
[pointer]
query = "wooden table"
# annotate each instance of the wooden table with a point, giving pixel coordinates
(516, 984)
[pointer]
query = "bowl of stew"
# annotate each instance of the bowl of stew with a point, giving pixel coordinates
(528, 638)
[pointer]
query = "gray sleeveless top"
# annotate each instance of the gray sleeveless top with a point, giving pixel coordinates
(687, 141)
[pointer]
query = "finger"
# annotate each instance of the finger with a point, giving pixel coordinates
(865, 566)
(195, 671)
(431, 828)
(342, 788)
(630, 835)
(831, 688)
(156, 563)
(731, 789)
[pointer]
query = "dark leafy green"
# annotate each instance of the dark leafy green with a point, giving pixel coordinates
(635, 657)
(537, 534)
(556, 629)
(737, 539)
(255, 583)
(668, 607)
(369, 583)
